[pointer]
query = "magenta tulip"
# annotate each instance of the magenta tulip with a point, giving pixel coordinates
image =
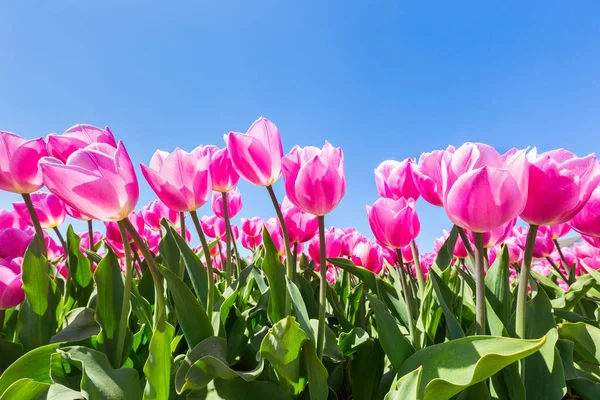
(19, 157)
(77, 137)
(515, 251)
(49, 209)
(333, 246)
(427, 174)
(256, 155)
(234, 204)
(560, 184)
(12, 219)
(85, 239)
(315, 179)
(587, 221)
(180, 179)
(155, 211)
(394, 179)
(559, 230)
(223, 174)
(544, 245)
(14, 242)
(301, 226)
(394, 222)
(407, 255)
(11, 284)
(368, 256)
(482, 189)
(98, 181)
(496, 236)
(276, 235)
(593, 240)
(213, 226)
(251, 234)
(54, 250)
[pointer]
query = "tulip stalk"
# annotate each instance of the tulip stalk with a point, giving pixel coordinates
(160, 311)
(228, 265)
(322, 288)
(524, 281)
(286, 238)
(479, 284)
(39, 232)
(569, 268)
(408, 298)
(182, 233)
(419, 272)
(126, 296)
(209, 266)
(91, 233)
(557, 269)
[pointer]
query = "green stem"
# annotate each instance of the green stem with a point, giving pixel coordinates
(569, 268)
(126, 297)
(362, 310)
(523, 282)
(160, 311)
(181, 271)
(209, 266)
(90, 225)
(558, 271)
(61, 239)
(417, 262)
(228, 265)
(479, 284)
(286, 239)
(295, 255)
(36, 223)
(408, 298)
(322, 288)
(465, 240)
(2, 315)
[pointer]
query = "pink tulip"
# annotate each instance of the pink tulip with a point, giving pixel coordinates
(544, 245)
(14, 242)
(407, 255)
(492, 254)
(427, 260)
(62, 269)
(213, 226)
(250, 242)
(592, 263)
(180, 179)
(569, 256)
(333, 246)
(559, 186)
(251, 232)
(587, 221)
(49, 209)
(98, 181)
(593, 240)
(256, 156)
(460, 250)
(368, 256)
(394, 179)
(54, 251)
(12, 219)
(331, 274)
(85, 239)
(77, 137)
(515, 251)
(301, 226)
(276, 235)
(19, 170)
(315, 180)
(11, 284)
(389, 255)
(428, 176)
(482, 189)
(586, 250)
(394, 222)
(72, 212)
(350, 238)
(542, 267)
(155, 211)
(113, 234)
(224, 176)
(559, 230)
(234, 203)
(496, 236)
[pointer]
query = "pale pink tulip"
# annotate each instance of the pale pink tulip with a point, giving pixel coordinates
(427, 174)
(350, 238)
(77, 137)
(251, 234)
(234, 203)
(19, 157)
(394, 179)
(155, 211)
(394, 222)
(49, 209)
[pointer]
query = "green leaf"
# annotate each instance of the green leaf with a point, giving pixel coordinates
(158, 365)
(79, 264)
(316, 372)
(586, 339)
(586, 384)
(36, 282)
(366, 370)
(300, 308)
(79, 324)
(497, 287)
(368, 277)
(394, 343)
(10, 351)
(37, 330)
(394, 301)
(446, 252)
(275, 272)
(351, 341)
(450, 367)
(445, 297)
(576, 291)
(109, 302)
(26, 389)
(98, 379)
(167, 247)
(207, 361)
(407, 387)
(240, 389)
(33, 365)
(190, 314)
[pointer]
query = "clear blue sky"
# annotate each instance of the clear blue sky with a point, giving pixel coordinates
(382, 80)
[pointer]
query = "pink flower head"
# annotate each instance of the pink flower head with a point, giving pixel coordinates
(482, 189)
(155, 211)
(333, 246)
(544, 245)
(350, 237)
(14, 242)
(19, 157)
(394, 222)
(54, 251)
(12, 219)
(460, 250)
(407, 255)
(515, 251)
(315, 179)
(593, 240)
(251, 232)
(559, 230)
(223, 174)
(427, 174)
(496, 236)
(394, 179)
(559, 186)
(427, 260)
(11, 284)
(113, 233)
(180, 179)
(98, 181)
(256, 156)
(369, 256)
(85, 239)
(77, 137)
(276, 235)
(234, 203)
(587, 220)
(49, 209)
(389, 255)
(213, 226)
(301, 226)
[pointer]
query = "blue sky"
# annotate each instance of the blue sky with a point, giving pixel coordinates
(383, 80)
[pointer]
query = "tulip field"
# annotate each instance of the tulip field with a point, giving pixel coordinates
(504, 305)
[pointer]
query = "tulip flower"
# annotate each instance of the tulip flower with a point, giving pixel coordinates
(213, 226)
(333, 247)
(85, 240)
(48, 207)
(180, 179)
(155, 211)
(276, 235)
(114, 238)
(19, 157)
(251, 232)
(559, 230)
(300, 225)
(256, 156)
(77, 137)
(560, 185)
(315, 179)
(394, 222)
(12, 219)
(11, 284)
(544, 246)
(394, 179)
(368, 256)
(587, 220)
(427, 176)
(515, 251)
(223, 174)
(14, 242)
(350, 238)
(407, 255)
(496, 236)
(593, 240)
(234, 203)
(98, 181)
